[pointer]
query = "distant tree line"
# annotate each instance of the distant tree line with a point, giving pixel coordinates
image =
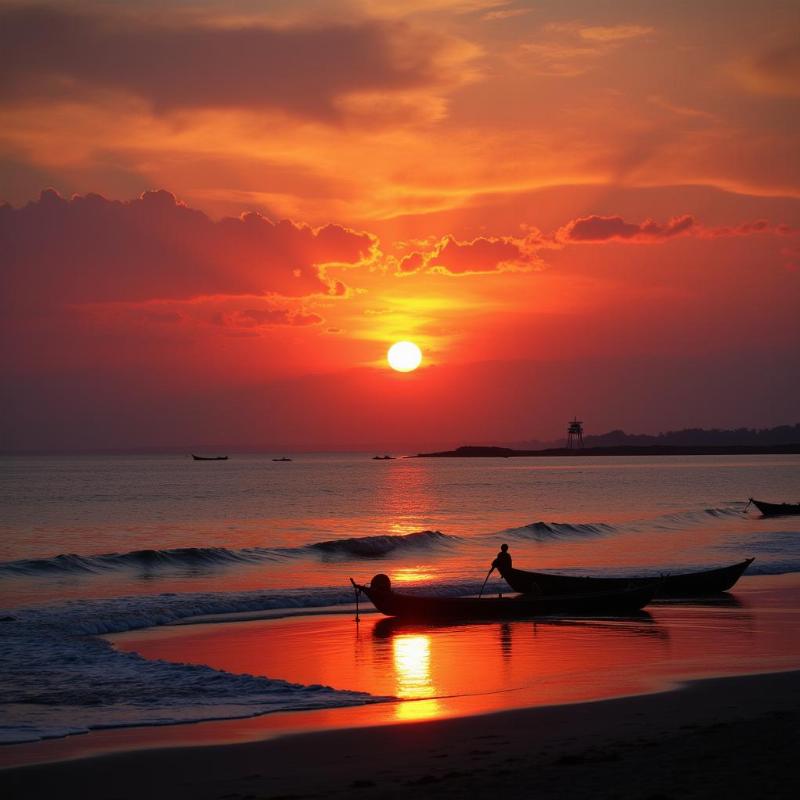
(782, 434)
(689, 437)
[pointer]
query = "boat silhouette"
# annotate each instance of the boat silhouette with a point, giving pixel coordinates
(775, 509)
(687, 584)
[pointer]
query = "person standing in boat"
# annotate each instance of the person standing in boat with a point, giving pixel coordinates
(503, 561)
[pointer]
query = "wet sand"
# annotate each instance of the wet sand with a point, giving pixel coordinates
(439, 671)
(518, 709)
(719, 738)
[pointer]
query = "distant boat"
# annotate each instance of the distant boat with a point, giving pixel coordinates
(209, 458)
(283, 458)
(682, 584)
(433, 608)
(383, 458)
(776, 509)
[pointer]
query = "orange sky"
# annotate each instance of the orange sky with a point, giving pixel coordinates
(572, 207)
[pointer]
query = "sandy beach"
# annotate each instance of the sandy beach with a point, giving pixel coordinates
(690, 699)
(730, 737)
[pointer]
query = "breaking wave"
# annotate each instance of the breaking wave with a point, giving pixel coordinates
(190, 557)
(678, 521)
(558, 530)
(60, 679)
(193, 558)
(374, 546)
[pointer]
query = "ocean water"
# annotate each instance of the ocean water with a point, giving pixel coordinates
(91, 545)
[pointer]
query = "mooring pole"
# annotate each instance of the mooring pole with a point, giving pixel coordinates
(358, 592)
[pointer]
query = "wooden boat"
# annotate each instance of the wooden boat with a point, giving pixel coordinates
(282, 459)
(776, 509)
(383, 458)
(209, 458)
(688, 584)
(428, 608)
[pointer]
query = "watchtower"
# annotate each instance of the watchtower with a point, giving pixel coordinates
(575, 434)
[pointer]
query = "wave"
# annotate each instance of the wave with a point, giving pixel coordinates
(376, 546)
(59, 678)
(678, 521)
(681, 518)
(556, 530)
(139, 559)
(193, 558)
(208, 558)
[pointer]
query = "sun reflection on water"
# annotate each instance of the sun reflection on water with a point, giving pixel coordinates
(415, 574)
(411, 656)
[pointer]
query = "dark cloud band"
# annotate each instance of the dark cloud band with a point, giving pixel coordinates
(51, 52)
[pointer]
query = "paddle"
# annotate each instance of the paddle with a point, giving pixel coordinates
(484, 582)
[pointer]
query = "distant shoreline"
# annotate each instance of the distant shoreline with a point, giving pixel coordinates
(474, 451)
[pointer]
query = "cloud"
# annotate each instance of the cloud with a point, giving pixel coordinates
(507, 13)
(233, 314)
(93, 250)
(559, 59)
(261, 317)
(601, 229)
(570, 49)
(184, 62)
(411, 263)
(742, 229)
(614, 33)
(774, 72)
(506, 253)
(480, 255)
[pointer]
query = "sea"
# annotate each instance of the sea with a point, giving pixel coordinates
(93, 545)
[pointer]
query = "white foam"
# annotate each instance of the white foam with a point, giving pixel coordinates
(59, 678)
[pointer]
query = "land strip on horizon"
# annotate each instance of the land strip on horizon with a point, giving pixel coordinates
(480, 451)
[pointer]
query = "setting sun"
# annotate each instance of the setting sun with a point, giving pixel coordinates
(404, 356)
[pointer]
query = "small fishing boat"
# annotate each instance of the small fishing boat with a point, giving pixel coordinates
(283, 458)
(776, 509)
(687, 584)
(428, 608)
(383, 458)
(209, 458)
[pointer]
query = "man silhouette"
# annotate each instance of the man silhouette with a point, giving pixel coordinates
(503, 561)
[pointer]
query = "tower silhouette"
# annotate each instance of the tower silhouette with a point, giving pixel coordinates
(575, 434)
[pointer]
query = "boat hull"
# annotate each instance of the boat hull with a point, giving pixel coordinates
(421, 609)
(690, 584)
(776, 509)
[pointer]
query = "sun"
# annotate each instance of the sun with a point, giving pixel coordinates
(404, 356)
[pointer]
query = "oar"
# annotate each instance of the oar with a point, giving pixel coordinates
(484, 582)
(747, 506)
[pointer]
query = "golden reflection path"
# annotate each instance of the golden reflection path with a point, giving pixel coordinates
(411, 657)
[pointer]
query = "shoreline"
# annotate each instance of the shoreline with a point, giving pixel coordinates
(553, 663)
(489, 451)
(630, 746)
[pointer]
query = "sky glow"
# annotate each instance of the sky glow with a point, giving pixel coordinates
(234, 208)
